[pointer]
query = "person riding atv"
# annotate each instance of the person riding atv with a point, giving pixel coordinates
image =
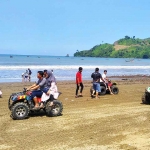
(37, 88)
(105, 90)
(21, 105)
(29, 100)
(107, 81)
(106, 87)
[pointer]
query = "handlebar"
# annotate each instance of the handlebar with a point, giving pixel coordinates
(25, 90)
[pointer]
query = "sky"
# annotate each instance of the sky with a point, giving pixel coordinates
(60, 27)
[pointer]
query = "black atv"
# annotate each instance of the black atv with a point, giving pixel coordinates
(105, 90)
(21, 104)
(146, 96)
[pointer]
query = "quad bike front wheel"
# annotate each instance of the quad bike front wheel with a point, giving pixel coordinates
(19, 111)
(145, 99)
(114, 90)
(55, 110)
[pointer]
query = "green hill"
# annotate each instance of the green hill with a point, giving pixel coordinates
(124, 48)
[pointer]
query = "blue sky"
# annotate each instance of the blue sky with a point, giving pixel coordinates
(60, 27)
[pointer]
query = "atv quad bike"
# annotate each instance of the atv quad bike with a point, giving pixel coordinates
(21, 104)
(105, 90)
(146, 96)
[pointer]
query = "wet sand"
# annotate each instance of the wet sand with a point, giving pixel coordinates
(112, 122)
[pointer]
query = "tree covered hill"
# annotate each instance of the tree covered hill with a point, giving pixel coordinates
(126, 47)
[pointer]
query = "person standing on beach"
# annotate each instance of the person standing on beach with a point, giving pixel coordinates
(26, 76)
(22, 77)
(0, 93)
(29, 73)
(79, 82)
(96, 81)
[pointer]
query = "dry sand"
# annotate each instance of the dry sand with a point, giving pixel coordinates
(112, 122)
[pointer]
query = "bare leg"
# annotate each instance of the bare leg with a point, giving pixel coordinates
(93, 92)
(110, 90)
(36, 102)
(22, 79)
(96, 94)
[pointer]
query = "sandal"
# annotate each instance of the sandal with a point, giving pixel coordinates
(51, 104)
(41, 105)
(76, 96)
(36, 108)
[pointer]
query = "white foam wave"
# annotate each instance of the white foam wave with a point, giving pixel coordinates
(69, 67)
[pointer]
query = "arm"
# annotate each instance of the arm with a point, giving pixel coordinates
(78, 80)
(32, 86)
(102, 79)
(106, 79)
(77, 77)
(35, 87)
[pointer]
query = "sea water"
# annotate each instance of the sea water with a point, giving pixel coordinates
(65, 68)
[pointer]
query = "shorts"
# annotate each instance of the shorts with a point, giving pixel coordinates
(109, 84)
(96, 87)
(36, 94)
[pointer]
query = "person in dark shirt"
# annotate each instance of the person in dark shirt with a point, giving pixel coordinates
(96, 81)
(29, 73)
(79, 82)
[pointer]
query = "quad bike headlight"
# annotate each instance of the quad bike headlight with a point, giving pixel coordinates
(148, 89)
(14, 98)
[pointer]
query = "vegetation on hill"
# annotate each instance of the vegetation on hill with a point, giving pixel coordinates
(128, 48)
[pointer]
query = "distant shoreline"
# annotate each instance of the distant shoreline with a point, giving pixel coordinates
(114, 78)
(32, 55)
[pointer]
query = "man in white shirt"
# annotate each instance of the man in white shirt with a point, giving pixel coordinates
(106, 80)
(104, 77)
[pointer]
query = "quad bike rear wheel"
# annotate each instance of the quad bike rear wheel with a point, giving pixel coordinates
(55, 110)
(19, 111)
(103, 90)
(91, 90)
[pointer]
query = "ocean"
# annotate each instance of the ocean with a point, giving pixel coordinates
(65, 68)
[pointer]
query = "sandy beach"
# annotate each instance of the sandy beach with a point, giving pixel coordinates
(112, 122)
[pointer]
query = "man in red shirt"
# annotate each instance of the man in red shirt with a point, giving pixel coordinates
(79, 82)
